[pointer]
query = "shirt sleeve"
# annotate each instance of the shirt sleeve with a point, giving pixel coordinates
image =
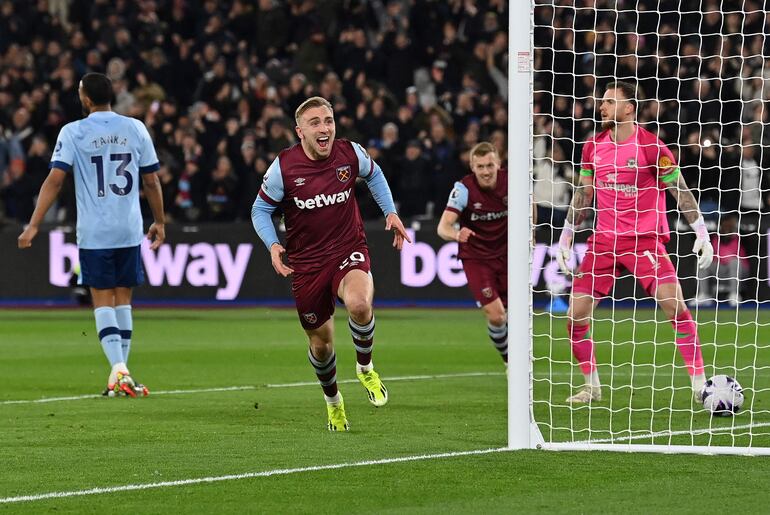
(63, 156)
(366, 164)
(148, 159)
(371, 172)
(262, 220)
(587, 159)
(667, 167)
(272, 184)
(458, 198)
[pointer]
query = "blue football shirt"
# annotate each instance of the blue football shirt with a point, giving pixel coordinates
(106, 152)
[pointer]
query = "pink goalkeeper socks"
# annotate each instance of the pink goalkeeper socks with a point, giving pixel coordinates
(582, 346)
(687, 342)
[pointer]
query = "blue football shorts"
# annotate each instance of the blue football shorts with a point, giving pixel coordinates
(111, 268)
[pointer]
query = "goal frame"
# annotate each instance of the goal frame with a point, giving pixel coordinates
(523, 431)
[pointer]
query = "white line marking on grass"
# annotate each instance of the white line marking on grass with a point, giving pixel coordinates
(391, 379)
(694, 432)
(161, 392)
(247, 475)
(253, 387)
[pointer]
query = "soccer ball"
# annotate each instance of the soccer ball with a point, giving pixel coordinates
(722, 395)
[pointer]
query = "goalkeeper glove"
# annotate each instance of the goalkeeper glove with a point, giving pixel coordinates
(564, 252)
(702, 247)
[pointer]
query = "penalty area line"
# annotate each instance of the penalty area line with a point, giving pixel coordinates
(253, 387)
(397, 378)
(161, 392)
(247, 475)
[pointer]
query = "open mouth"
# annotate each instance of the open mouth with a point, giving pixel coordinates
(323, 142)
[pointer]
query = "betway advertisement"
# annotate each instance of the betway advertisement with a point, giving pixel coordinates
(227, 262)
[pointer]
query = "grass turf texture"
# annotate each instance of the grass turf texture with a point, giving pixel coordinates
(80, 444)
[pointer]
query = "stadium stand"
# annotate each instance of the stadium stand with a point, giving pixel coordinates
(418, 82)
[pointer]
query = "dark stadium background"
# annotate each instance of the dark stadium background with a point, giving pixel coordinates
(217, 82)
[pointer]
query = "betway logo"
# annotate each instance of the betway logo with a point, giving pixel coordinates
(199, 263)
(322, 200)
(486, 217)
(420, 264)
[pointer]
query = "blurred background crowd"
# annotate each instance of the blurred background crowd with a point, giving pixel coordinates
(417, 82)
(702, 85)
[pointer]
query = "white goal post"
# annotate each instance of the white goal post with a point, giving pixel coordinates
(522, 432)
(647, 399)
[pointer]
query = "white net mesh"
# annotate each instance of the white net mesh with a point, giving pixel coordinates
(703, 90)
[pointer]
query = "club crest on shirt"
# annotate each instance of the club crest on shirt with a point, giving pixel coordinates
(299, 181)
(343, 173)
(310, 318)
(487, 292)
(665, 162)
(631, 163)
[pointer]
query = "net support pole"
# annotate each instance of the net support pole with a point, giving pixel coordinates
(522, 432)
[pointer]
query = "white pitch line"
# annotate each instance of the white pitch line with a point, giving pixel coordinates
(247, 475)
(391, 379)
(253, 387)
(161, 392)
(702, 431)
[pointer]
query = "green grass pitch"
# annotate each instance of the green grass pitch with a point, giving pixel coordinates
(273, 423)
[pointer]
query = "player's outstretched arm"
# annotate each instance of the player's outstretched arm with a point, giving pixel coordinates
(49, 192)
(152, 191)
(582, 201)
(687, 204)
(447, 231)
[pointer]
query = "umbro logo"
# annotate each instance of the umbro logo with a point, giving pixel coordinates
(300, 181)
(477, 205)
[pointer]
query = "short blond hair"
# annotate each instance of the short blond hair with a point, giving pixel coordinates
(309, 104)
(484, 148)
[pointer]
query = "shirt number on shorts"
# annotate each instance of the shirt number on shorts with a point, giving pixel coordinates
(652, 259)
(355, 257)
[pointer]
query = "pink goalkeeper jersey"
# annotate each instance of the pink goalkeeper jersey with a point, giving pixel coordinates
(630, 178)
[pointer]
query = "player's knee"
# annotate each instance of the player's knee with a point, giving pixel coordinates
(497, 319)
(321, 349)
(578, 316)
(359, 308)
(673, 308)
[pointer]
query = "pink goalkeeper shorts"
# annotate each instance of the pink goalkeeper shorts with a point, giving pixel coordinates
(646, 258)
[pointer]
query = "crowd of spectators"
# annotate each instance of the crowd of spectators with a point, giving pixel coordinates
(702, 86)
(418, 82)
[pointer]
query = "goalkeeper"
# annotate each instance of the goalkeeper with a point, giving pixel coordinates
(629, 169)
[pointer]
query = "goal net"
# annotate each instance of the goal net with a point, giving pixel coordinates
(703, 90)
